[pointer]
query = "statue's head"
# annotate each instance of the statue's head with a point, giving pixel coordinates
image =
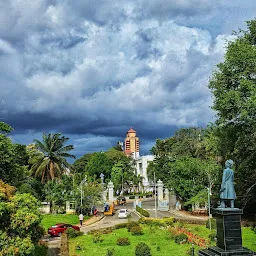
(229, 163)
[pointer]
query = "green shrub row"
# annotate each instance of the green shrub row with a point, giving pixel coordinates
(101, 231)
(142, 211)
(157, 222)
(120, 225)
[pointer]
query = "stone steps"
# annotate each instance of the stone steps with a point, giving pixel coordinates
(216, 251)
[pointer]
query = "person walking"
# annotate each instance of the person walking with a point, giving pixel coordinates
(81, 218)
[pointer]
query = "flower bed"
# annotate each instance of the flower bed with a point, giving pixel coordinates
(192, 238)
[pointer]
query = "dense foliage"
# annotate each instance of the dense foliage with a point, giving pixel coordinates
(114, 164)
(185, 162)
(233, 85)
(20, 221)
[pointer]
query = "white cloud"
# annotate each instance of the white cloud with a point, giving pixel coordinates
(111, 64)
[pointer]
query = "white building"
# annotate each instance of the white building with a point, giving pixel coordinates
(132, 148)
(141, 164)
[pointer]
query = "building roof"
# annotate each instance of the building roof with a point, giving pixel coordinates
(131, 131)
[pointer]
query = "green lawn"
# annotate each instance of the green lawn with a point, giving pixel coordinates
(249, 239)
(156, 238)
(51, 219)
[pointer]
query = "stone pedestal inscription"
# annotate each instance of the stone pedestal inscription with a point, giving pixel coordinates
(229, 236)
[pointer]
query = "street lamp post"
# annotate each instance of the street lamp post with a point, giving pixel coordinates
(81, 190)
(209, 200)
(155, 194)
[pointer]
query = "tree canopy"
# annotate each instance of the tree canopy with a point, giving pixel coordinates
(233, 85)
(52, 163)
(20, 220)
(184, 163)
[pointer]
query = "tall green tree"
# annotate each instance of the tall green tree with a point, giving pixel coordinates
(99, 163)
(13, 159)
(189, 176)
(4, 127)
(233, 85)
(20, 220)
(52, 164)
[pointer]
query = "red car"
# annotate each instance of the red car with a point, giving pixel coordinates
(60, 228)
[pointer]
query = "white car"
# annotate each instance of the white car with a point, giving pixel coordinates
(123, 213)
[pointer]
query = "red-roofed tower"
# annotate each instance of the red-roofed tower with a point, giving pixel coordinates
(132, 144)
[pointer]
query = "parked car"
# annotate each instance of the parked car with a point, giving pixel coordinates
(121, 200)
(60, 228)
(123, 213)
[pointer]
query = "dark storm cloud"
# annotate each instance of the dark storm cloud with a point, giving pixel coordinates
(93, 69)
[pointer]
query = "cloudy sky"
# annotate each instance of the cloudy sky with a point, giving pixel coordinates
(91, 69)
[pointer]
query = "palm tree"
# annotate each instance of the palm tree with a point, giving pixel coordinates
(52, 163)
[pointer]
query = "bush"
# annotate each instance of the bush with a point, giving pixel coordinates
(142, 249)
(131, 197)
(106, 230)
(181, 238)
(137, 231)
(73, 233)
(131, 224)
(110, 252)
(97, 238)
(213, 224)
(121, 225)
(169, 221)
(212, 236)
(142, 211)
(123, 241)
(40, 250)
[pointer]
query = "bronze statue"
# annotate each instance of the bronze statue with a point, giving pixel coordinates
(227, 186)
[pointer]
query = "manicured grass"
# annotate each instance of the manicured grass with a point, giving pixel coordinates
(249, 238)
(51, 219)
(155, 237)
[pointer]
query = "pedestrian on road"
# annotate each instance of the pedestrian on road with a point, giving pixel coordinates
(81, 218)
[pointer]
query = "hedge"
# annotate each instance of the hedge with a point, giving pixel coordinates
(142, 211)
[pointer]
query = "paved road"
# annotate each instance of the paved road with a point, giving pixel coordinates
(109, 221)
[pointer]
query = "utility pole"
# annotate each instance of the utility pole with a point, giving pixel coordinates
(155, 194)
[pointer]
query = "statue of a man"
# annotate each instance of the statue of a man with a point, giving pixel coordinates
(227, 186)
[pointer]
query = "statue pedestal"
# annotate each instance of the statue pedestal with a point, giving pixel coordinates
(229, 236)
